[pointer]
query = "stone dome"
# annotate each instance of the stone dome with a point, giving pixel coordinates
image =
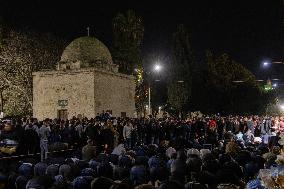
(88, 51)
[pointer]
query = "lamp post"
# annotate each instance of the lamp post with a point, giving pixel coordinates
(157, 68)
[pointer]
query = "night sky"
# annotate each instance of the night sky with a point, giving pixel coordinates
(250, 31)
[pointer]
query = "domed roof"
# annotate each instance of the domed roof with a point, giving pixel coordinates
(87, 50)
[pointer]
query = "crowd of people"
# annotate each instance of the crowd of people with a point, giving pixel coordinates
(109, 153)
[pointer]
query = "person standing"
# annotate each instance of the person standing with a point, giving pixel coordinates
(44, 133)
(127, 130)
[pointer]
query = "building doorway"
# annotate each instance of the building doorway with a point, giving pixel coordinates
(62, 114)
(123, 114)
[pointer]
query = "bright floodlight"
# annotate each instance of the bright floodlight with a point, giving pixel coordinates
(265, 64)
(157, 67)
(275, 85)
(282, 107)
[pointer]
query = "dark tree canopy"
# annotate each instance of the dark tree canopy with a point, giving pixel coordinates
(231, 87)
(179, 89)
(128, 32)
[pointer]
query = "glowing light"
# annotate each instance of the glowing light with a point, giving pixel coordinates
(157, 67)
(275, 85)
(268, 87)
(265, 64)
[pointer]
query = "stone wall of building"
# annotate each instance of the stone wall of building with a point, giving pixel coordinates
(75, 86)
(115, 92)
(87, 91)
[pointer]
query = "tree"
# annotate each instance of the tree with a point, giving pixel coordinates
(141, 91)
(3, 84)
(179, 90)
(128, 32)
(231, 87)
(178, 96)
(23, 53)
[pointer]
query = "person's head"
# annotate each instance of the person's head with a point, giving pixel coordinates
(125, 161)
(40, 169)
(250, 170)
(88, 172)
(243, 157)
(35, 183)
(93, 164)
(276, 150)
(8, 123)
(26, 170)
(21, 182)
(204, 152)
(171, 185)
(193, 151)
(105, 170)
(194, 164)
(81, 182)
(101, 183)
(52, 170)
(66, 171)
(46, 122)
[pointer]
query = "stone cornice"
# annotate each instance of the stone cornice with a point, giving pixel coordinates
(79, 71)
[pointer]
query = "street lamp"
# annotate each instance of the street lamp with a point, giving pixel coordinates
(265, 64)
(157, 68)
(275, 85)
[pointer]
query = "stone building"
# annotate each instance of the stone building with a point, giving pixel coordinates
(85, 83)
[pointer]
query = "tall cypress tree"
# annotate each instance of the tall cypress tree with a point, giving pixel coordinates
(128, 31)
(179, 89)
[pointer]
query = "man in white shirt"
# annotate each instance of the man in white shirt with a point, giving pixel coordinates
(127, 130)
